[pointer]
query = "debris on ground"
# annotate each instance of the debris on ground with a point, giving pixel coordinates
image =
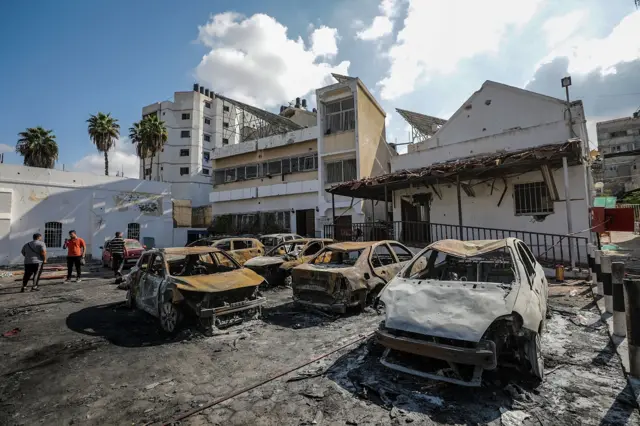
(155, 384)
(11, 333)
(6, 274)
(512, 417)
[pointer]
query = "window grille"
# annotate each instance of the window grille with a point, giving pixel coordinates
(340, 116)
(133, 231)
(532, 199)
(53, 234)
(341, 171)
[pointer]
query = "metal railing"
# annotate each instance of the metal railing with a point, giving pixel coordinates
(549, 249)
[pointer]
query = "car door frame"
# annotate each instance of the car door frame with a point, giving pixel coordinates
(153, 285)
(384, 272)
(538, 281)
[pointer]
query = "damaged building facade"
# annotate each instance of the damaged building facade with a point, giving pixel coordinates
(53, 202)
(619, 148)
(274, 179)
(508, 161)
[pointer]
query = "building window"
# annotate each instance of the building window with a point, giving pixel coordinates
(186, 116)
(339, 116)
(218, 177)
(275, 167)
(185, 134)
(133, 231)
(53, 234)
(147, 171)
(251, 172)
(225, 125)
(207, 104)
(207, 121)
(532, 199)
(225, 141)
(207, 138)
(184, 153)
(308, 163)
(206, 156)
(619, 134)
(206, 171)
(341, 171)
(230, 175)
(184, 171)
(225, 108)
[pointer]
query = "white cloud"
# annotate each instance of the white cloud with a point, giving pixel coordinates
(381, 25)
(438, 34)
(6, 148)
(587, 55)
(122, 159)
(254, 60)
(324, 41)
(559, 28)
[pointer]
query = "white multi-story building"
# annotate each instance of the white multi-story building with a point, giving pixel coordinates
(197, 121)
(619, 146)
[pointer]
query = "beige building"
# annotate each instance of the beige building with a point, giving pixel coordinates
(280, 180)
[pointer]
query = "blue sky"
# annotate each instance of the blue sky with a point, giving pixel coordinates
(63, 60)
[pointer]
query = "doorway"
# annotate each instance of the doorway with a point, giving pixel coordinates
(416, 219)
(306, 223)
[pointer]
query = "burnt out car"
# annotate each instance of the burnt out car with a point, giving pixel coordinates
(276, 265)
(204, 283)
(241, 248)
(462, 307)
(347, 274)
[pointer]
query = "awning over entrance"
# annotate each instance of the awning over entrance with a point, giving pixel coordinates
(485, 166)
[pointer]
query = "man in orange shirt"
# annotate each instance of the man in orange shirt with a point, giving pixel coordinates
(76, 248)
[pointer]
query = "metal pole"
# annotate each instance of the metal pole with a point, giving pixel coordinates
(373, 212)
(617, 277)
(567, 199)
(605, 264)
(591, 261)
(459, 206)
(333, 210)
(598, 255)
(386, 204)
(632, 309)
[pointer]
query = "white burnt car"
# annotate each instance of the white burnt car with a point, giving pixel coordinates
(465, 306)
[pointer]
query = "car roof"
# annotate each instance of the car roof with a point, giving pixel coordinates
(277, 235)
(470, 248)
(354, 245)
(188, 250)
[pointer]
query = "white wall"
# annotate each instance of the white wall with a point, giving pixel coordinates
(95, 206)
(483, 211)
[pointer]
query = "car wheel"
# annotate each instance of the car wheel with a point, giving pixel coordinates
(534, 354)
(169, 317)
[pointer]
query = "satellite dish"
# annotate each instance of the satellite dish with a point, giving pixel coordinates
(599, 185)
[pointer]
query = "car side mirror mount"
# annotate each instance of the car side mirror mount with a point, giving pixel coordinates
(366, 276)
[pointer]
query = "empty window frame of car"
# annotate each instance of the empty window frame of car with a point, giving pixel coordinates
(402, 253)
(337, 258)
(495, 266)
(382, 256)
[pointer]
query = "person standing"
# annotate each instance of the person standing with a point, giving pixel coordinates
(76, 248)
(35, 256)
(116, 247)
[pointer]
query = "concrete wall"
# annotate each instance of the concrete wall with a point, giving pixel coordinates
(483, 211)
(95, 206)
(339, 142)
(373, 153)
(496, 118)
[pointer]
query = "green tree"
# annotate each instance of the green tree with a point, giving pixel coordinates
(38, 147)
(104, 131)
(154, 136)
(142, 151)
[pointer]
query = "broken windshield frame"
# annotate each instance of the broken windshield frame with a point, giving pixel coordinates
(495, 266)
(290, 248)
(201, 264)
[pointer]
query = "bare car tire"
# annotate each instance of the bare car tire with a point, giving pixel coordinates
(534, 354)
(169, 317)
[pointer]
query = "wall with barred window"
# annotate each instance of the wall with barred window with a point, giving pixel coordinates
(53, 202)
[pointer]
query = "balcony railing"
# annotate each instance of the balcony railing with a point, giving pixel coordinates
(549, 249)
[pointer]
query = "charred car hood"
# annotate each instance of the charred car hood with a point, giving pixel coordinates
(449, 309)
(224, 281)
(264, 261)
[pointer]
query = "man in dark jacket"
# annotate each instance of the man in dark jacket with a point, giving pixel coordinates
(35, 256)
(116, 247)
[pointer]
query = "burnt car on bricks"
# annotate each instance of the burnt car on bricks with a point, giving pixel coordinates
(347, 274)
(203, 283)
(462, 307)
(276, 265)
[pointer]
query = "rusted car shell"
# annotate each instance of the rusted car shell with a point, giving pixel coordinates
(224, 281)
(338, 288)
(459, 310)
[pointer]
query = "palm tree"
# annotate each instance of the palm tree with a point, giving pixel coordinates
(104, 131)
(154, 136)
(38, 147)
(142, 151)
